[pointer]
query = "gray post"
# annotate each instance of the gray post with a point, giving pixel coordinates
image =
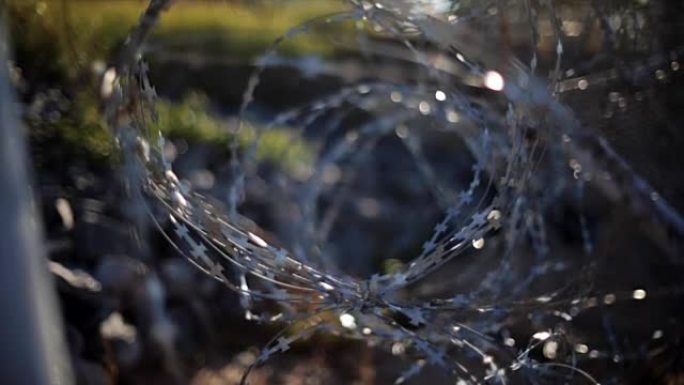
(31, 334)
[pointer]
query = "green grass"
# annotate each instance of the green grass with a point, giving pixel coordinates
(241, 31)
(58, 41)
(75, 33)
(83, 134)
(192, 120)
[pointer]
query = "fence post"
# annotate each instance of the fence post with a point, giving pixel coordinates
(32, 349)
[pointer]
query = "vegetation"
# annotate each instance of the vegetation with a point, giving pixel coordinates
(73, 34)
(66, 44)
(191, 119)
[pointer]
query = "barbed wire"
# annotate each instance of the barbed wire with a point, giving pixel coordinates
(529, 152)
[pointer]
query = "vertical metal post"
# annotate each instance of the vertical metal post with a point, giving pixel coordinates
(32, 349)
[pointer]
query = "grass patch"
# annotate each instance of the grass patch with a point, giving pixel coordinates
(58, 42)
(68, 36)
(191, 120)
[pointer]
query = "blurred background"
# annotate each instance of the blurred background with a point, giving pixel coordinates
(133, 317)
